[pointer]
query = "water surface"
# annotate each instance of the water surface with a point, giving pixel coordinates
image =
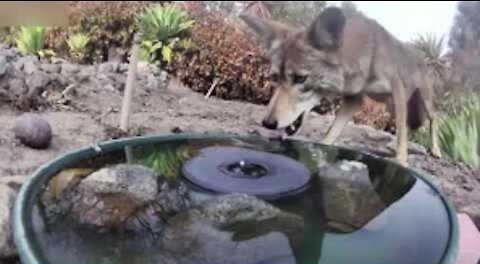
(390, 217)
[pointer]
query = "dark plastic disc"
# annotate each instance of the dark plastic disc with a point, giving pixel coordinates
(238, 170)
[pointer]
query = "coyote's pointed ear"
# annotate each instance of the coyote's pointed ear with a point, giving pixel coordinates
(326, 31)
(267, 30)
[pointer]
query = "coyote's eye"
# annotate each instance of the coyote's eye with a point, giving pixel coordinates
(274, 77)
(299, 79)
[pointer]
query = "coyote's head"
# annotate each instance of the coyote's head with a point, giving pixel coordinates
(305, 65)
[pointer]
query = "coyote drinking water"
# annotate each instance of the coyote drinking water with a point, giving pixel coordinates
(350, 57)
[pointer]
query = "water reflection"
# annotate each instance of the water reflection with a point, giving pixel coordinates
(357, 210)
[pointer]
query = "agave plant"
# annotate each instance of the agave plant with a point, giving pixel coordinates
(31, 40)
(160, 23)
(154, 52)
(78, 45)
(431, 47)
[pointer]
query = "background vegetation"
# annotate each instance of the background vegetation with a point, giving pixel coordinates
(206, 46)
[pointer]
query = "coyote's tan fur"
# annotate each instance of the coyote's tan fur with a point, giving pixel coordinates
(349, 57)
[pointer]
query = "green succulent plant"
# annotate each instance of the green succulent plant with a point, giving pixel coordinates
(78, 45)
(30, 40)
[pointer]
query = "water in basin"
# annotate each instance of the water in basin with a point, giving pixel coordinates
(357, 209)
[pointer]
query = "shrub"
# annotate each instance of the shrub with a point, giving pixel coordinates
(8, 35)
(78, 46)
(374, 114)
(3, 35)
(149, 51)
(110, 26)
(157, 52)
(223, 57)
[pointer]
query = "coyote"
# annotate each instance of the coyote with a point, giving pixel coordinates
(348, 57)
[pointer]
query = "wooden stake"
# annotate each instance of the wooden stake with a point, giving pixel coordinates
(127, 98)
(215, 82)
(132, 74)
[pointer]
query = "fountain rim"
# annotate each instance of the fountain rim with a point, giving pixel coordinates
(30, 190)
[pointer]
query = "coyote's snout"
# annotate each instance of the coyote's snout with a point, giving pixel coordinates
(350, 57)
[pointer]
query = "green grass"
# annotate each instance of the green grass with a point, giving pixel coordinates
(459, 134)
(166, 160)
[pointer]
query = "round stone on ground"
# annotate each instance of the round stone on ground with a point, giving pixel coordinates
(33, 131)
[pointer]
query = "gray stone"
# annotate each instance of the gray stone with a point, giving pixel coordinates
(7, 202)
(152, 81)
(37, 82)
(234, 228)
(166, 259)
(14, 182)
(86, 74)
(17, 86)
(350, 200)
(123, 68)
(103, 78)
(3, 65)
(109, 67)
(109, 197)
(137, 182)
(63, 80)
(144, 67)
(58, 61)
(11, 54)
(109, 87)
(29, 68)
(27, 60)
(88, 71)
(120, 80)
(51, 68)
(33, 131)
(164, 78)
(69, 69)
(116, 54)
(3, 47)
(18, 66)
(391, 146)
(170, 200)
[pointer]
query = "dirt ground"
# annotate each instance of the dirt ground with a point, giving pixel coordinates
(93, 112)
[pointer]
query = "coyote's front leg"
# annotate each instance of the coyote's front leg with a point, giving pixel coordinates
(400, 103)
(349, 107)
